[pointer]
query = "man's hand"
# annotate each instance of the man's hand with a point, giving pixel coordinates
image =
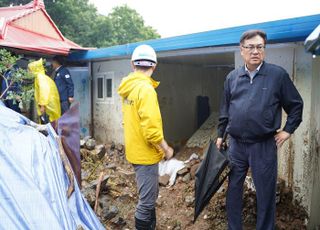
(42, 109)
(71, 99)
(281, 137)
(168, 153)
(219, 142)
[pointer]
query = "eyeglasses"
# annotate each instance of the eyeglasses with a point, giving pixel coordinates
(251, 48)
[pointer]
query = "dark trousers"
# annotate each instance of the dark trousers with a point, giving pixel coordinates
(261, 157)
(147, 177)
(65, 105)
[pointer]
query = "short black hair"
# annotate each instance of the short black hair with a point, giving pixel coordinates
(252, 33)
(59, 59)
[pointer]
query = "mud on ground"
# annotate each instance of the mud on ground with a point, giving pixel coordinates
(175, 205)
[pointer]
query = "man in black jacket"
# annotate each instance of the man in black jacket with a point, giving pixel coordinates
(250, 113)
(64, 83)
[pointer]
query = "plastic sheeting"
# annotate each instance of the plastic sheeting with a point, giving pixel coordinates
(212, 172)
(68, 128)
(33, 182)
(171, 168)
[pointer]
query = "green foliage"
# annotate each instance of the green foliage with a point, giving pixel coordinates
(79, 21)
(128, 26)
(19, 78)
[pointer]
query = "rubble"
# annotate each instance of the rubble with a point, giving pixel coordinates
(82, 143)
(164, 180)
(194, 169)
(189, 200)
(119, 147)
(175, 205)
(186, 178)
(205, 133)
(90, 144)
(183, 171)
(118, 222)
(110, 213)
(93, 184)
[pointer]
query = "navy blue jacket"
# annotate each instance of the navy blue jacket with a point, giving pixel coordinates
(64, 83)
(251, 111)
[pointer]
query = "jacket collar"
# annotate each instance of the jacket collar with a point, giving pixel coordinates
(262, 70)
(149, 79)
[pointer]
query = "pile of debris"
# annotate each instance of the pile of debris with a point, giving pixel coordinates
(207, 132)
(289, 215)
(108, 183)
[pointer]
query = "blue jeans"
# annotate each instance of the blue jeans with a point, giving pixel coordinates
(261, 157)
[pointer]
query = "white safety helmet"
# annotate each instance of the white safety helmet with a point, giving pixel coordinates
(144, 55)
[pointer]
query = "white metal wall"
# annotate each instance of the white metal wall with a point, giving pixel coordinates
(107, 113)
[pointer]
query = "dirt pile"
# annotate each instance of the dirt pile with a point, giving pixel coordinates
(111, 178)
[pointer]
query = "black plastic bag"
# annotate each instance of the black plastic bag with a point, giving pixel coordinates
(209, 177)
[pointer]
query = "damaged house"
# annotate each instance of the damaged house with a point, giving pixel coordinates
(192, 69)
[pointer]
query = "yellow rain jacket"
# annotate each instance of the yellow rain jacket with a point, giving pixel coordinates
(45, 91)
(141, 118)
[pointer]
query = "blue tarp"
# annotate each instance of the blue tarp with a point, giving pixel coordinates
(33, 181)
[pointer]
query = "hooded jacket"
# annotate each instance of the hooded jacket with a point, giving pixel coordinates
(141, 119)
(45, 91)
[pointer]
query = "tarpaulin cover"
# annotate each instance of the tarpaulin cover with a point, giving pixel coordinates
(209, 177)
(68, 128)
(33, 182)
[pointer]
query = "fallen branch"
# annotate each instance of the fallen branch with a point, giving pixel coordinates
(98, 191)
(67, 167)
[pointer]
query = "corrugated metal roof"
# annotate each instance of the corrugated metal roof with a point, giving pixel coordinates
(287, 30)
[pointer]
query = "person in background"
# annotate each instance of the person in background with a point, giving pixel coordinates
(144, 141)
(46, 94)
(10, 103)
(251, 111)
(64, 83)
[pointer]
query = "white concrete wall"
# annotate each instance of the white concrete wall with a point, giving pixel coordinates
(107, 114)
(302, 168)
(178, 91)
(315, 146)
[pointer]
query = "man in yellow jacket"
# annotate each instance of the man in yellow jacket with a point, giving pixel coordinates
(144, 141)
(46, 94)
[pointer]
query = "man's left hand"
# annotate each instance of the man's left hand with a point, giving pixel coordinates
(281, 137)
(71, 100)
(42, 109)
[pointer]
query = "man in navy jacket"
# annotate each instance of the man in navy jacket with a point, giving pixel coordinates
(253, 99)
(64, 83)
